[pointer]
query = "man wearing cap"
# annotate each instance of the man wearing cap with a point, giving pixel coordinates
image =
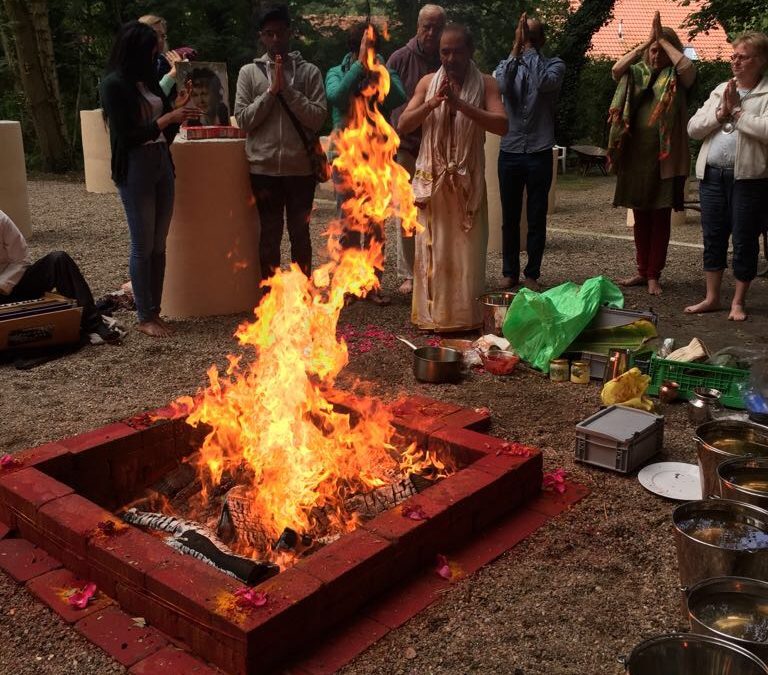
(281, 175)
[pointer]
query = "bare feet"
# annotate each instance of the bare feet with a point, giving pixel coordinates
(636, 280)
(654, 287)
(406, 288)
(532, 284)
(738, 313)
(378, 298)
(152, 328)
(171, 330)
(705, 305)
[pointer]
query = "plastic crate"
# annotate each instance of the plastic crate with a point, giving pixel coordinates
(619, 438)
(691, 375)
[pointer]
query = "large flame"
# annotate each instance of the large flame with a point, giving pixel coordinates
(270, 413)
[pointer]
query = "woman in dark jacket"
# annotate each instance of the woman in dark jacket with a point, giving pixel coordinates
(141, 125)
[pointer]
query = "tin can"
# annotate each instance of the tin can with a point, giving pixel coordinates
(559, 370)
(580, 372)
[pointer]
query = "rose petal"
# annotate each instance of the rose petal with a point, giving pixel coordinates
(414, 512)
(443, 568)
(81, 598)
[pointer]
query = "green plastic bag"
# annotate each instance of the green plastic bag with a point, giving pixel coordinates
(540, 326)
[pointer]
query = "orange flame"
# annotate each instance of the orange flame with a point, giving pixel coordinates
(270, 413)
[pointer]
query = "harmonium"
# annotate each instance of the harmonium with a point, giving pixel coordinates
(42, 322)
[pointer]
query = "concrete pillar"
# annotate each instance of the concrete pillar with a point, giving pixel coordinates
(492, 145)
(213, 244)
(97, 155)
(14, 199)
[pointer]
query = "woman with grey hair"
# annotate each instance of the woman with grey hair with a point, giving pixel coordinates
(732, 168)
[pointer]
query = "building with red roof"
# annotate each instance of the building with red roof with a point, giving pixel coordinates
(631, 25)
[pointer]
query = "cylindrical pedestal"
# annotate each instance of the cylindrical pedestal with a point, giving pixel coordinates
(97, 155)
(14, 199)
(492, 145)
(213, 244)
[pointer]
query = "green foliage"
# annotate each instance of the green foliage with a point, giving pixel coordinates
(736, 16)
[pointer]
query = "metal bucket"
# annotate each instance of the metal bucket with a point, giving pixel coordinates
(720, 538)
(495, 306)
(719, 440)
(691, 654)
(733, 609)
(745, 479)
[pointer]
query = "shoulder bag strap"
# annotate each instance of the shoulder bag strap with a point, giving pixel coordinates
(294, 120)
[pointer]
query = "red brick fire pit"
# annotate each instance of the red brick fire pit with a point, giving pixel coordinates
(59, 496)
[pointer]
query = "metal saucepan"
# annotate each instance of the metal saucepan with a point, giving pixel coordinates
(435, 364)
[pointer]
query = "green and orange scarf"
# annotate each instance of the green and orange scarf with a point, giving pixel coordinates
(635, 80)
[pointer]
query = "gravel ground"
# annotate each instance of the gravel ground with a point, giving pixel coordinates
(568, 600)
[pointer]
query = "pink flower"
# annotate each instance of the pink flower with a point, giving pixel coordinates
(250, 598)
(414, 512)
(81, 598)
(555, 481)
(443, 568)
(9, 462)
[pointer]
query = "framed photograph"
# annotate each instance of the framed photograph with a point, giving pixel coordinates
(209, 90)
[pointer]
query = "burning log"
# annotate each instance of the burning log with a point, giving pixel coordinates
(237, 521)
(380, 499)
(199, 542)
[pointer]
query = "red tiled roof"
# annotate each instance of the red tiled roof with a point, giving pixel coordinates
(631, 25)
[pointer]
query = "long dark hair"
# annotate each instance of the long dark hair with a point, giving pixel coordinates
(133, 53)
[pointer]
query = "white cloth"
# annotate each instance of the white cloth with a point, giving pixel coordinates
(14, 255)
(449, 187)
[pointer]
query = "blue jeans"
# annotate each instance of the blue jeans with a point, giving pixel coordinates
(534, 173)
(147, 194)
(737, 209)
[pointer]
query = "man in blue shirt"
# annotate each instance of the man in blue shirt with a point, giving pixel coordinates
(530, 84)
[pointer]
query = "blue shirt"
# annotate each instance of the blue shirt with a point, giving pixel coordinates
(530, 85)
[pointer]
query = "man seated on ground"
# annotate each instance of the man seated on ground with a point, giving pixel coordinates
(21, 279)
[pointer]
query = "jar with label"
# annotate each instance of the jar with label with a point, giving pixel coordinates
(559, 370)
(580, 372)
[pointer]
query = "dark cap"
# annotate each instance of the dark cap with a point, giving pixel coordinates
(273, 13)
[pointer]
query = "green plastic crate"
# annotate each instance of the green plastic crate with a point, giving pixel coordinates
(692, 375)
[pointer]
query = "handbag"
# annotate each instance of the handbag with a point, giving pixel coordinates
(318, 160)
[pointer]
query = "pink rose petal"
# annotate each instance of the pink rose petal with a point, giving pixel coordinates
(81, 598)
(443, 568)
(414, 512)
(250, 598)
(8, 462)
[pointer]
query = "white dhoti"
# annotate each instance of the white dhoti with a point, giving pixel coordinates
(449, 186)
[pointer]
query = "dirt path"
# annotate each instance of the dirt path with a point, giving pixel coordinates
(572, 597)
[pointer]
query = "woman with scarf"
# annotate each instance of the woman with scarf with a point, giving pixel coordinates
(733, 171)
(648, 144)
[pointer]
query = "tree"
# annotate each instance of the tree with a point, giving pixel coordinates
(736, 16)
(574, 42)
(28, 34)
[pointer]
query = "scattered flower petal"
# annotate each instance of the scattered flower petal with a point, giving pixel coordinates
(139, 621)
(515, 449)
(443, 568)
(250, 598)
(414, 512)
(409, 653)
(9, 462)
(555, 481)
(81, 598)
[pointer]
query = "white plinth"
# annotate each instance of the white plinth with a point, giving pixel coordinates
(14, 199)
(97, 155)
(492, 145)
(213, 244)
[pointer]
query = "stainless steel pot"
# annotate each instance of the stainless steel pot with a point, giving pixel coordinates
(719, 440)
(744, 479)
(704, 405)
(435, 364)
(495, 306)
(720, 538)
(733, 609)
(691, 654)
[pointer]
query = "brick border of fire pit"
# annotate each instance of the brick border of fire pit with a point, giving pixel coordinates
(48, 497)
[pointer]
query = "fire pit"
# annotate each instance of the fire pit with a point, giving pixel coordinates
(62, 497)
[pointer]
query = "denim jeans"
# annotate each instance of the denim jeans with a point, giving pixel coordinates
(534, 173)
(147, 193)
(736, 209)
(282, 199)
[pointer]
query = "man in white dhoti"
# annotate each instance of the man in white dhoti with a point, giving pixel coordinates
(455, 107)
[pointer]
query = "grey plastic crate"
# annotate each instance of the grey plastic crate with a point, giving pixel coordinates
(608, 317)
(619, 438)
